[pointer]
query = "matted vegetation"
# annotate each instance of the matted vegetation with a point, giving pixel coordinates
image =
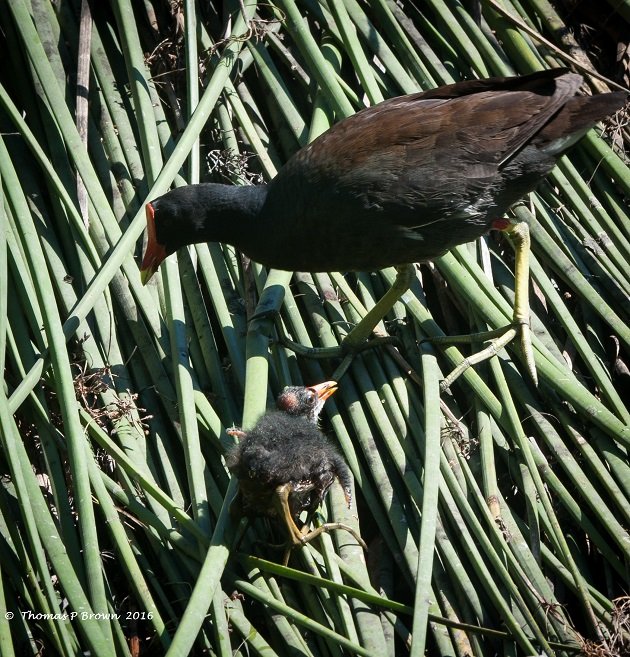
(497, 514)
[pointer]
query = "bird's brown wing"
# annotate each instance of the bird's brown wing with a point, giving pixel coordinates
(491, 118)
(430, 150)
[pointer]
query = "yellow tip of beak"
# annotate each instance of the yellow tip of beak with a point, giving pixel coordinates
(145, 275)
(325, 390)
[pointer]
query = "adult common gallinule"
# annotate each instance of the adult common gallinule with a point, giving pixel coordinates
(285, 465)
(397, 183)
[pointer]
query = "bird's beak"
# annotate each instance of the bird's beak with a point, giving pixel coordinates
(324, 390)
(154, 253)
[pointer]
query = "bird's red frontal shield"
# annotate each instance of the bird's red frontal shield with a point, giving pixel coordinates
(155, 252)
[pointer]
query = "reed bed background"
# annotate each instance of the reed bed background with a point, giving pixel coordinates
(496, 513)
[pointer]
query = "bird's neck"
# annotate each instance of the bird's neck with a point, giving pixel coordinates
(233, 216)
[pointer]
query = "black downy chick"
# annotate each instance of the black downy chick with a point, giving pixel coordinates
(285, 465)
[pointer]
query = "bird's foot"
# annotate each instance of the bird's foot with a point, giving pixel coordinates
(367, 333)
(498, 339)
(347, 350)
(304, 538)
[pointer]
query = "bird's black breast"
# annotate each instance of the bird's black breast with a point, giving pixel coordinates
(398, 205)
(390, 218)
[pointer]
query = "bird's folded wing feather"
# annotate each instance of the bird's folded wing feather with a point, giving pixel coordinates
(431, 151)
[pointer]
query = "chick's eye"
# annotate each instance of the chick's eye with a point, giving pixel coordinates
(311, 397)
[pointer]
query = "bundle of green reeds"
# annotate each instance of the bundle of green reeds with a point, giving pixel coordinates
(497, 514)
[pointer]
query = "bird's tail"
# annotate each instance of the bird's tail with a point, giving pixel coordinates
(575, 118)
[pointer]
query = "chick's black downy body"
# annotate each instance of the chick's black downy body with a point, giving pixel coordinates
(285, 465)
(285, 449)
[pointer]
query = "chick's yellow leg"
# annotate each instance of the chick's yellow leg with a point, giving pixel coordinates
(282, 498)
(297, 537)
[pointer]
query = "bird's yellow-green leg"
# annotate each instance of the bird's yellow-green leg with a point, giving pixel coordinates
(357, 339)
(521, 241)
(362, 331)
(499, 338)
(297, 537)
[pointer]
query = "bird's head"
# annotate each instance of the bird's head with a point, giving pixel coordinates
(305, 401)
(170, 225)
(206, 212)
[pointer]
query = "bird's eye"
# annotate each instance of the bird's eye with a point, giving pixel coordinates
(311, 397)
